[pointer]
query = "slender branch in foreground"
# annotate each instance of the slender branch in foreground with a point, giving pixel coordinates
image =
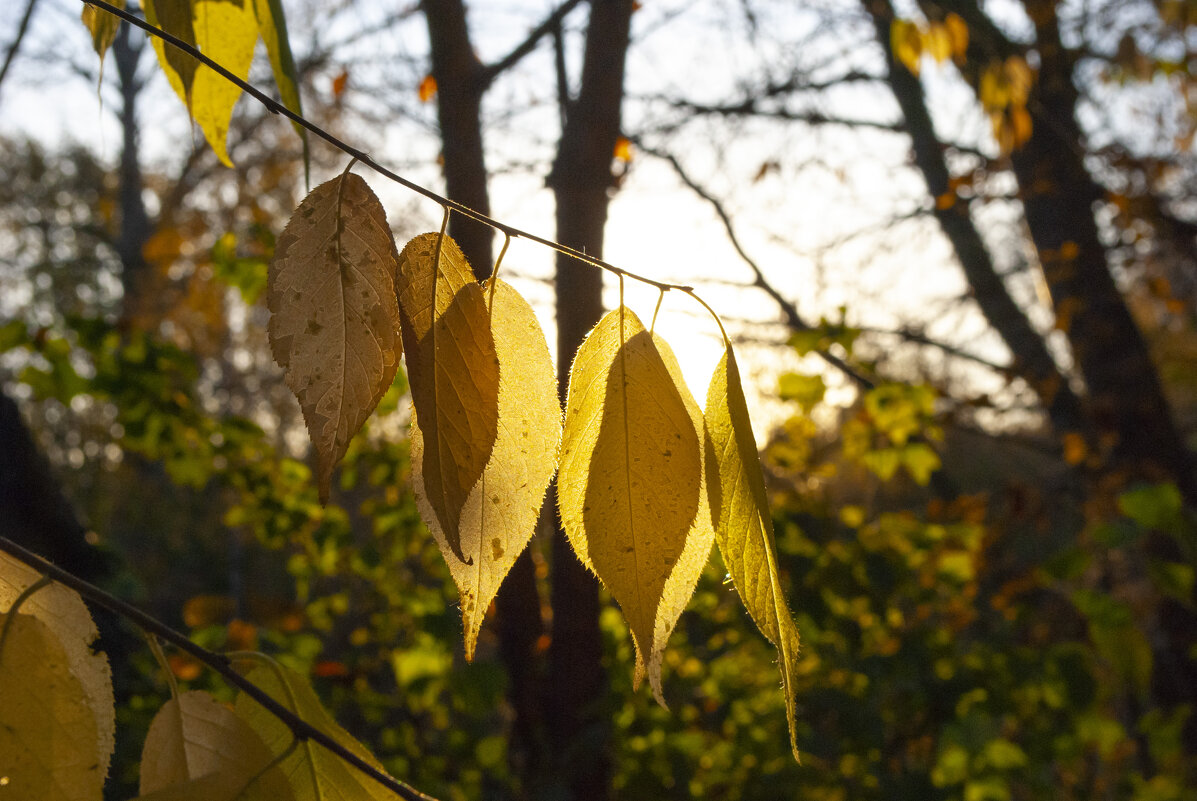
(788, 309)
(217, 662)
(278, 108)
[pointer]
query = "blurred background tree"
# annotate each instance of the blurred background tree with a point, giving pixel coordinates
(971, 304)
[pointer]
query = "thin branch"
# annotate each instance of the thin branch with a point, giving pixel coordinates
(16, 43)
(278, 108)
(217, 662)
(793, 318)
(552, 23)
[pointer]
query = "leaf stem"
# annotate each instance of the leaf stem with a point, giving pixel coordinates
(217, 662)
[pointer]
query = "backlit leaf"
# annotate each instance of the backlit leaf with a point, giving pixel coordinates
(453, 371)
(48, 733)
(63, 611)
(226, 32)
(176, 18)
(630, 481)
(103, 26)
(500, 513)
(907, 44)
(334, 320)
(272, 24)
(197, 745)
(315, 774)
(743, 525)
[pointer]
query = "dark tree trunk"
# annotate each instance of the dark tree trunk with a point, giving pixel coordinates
(135, 223)
(460, 79)
(581, 180)
(1126, 400)
(1032, 362)
(460, 84)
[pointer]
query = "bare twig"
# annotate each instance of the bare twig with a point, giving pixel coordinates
(788, 309)
(278, 108)
(16, 42)
(217, 662)
(551, 24)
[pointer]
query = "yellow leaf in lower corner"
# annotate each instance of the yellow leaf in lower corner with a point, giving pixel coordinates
(62, 610)
(313, 771)
(743, 524)
(48, 732)
(500, 512)
(198, 748)
(630, 480)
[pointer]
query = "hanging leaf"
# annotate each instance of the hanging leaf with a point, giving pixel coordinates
(198, 747)
(314, 772)
(272, 25)
(333, 316)
(103, 26)
(49, 736)
(226, 32)
(453, 371)
(500, 513)
(629, 484)
(743, 525)
(176, 18)
(63, 612)
(679, 587)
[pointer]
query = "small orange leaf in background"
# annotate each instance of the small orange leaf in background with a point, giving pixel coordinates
(330, 670)
(427, 88)
(243, 636)
(184, 667)
(1075, 449)
(204, 610)
(339, 83)
(623, 149)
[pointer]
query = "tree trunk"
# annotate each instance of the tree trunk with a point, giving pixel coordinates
(459, 84)
(581, 179)
(1130, 412)
(135, 224)
(1031, 361)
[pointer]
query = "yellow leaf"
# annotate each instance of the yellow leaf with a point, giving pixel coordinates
(103, 26)
(333, 316)
(744, 526)
(62, 610)
(906, 43)
(958, 34)
(1020, 122)
(48, 733)
(176, 18)
(500, 512)
(196, 743)
(630, 480)
(224, 31)
(937, 41)
(1020, 78)
(313, 771)
(453, 371)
